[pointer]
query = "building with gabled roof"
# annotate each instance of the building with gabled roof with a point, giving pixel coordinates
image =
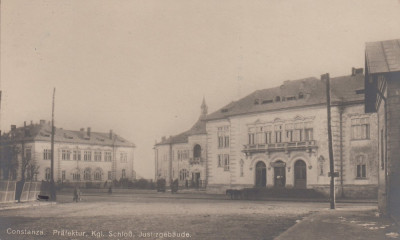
(183, 156)
(382, 90)
(278, 139)
(79, 156)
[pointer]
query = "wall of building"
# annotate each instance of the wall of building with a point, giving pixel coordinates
(242, 168)
(71, 166)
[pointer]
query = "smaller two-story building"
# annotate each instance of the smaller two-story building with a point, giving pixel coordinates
(183, 156)
(79, 156)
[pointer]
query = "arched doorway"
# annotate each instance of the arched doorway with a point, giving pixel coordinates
(261, 174)
(300, 174)
(279, 174)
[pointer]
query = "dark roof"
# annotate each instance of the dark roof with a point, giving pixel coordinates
(297, 93)
(383, 56)
(42, 132)
(198, 128)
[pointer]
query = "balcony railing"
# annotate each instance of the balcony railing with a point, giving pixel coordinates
(275, 147)
(197, 160)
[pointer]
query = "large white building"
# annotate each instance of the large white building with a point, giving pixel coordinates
(79, 156)
(277, 138)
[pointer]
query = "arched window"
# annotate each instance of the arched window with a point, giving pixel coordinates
(197, 151)
(48, 174)
(97, 175)
(86, 174)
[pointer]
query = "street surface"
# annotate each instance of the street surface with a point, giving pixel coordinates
(157, 216)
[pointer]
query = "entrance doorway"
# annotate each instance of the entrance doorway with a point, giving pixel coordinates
(196, 179)
(300, 174)
(279, 174)
(261, 174)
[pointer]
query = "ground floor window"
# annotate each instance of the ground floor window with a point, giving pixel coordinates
(86, 174)
(109, 175)
(97, 175)
(76, 176)
(63, 175)
(123, 173)
(361, 167)
(183, 174)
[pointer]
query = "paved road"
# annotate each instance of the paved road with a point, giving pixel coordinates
(146, 216)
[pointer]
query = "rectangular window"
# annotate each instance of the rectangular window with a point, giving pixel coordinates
(278, 136)
(361, 171)
(226, 142)
(220, 158)
(77, 155)
(308, 134)
(109, 175)
(46, 154)
(65, 154)
(87, 156)
(289, 136)
(360, 128)
(223, 137)
(107, 157)
(268, 137)
(220, 141)
(251, 138)
(226, 162)
(63, 175)
(124, 157)
(76, 176)
(97, 156)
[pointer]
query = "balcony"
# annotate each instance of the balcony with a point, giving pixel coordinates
(196, 160)
(286, 147)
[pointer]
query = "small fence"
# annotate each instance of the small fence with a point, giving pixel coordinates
(7, 191)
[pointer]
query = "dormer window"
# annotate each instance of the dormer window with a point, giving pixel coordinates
(267, 101)
(301, 95)
(277, 99)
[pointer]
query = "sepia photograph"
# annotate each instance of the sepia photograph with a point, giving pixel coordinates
(199, 119)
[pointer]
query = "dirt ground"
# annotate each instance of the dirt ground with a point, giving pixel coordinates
(146, 216)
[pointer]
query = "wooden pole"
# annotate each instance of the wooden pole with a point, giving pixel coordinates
(331, 162)
(52, 187)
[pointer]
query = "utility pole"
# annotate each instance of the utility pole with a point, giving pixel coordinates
(332, 174)
(52, 187)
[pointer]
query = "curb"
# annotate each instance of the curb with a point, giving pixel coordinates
(25, 205)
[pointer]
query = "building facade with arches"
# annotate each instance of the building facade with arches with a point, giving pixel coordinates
(184, 156)
(278, 139)
(79, 156)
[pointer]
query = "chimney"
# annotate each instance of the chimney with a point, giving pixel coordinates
(42, 122)
(88, 131)
(111, 134)
(13, 127)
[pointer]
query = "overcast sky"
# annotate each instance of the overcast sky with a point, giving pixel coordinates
(142, 67)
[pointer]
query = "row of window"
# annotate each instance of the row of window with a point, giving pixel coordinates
(87, 155)
(183, 154)
(87, 175)
(269, 134)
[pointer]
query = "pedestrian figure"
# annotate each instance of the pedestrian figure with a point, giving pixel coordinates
(76, 194)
